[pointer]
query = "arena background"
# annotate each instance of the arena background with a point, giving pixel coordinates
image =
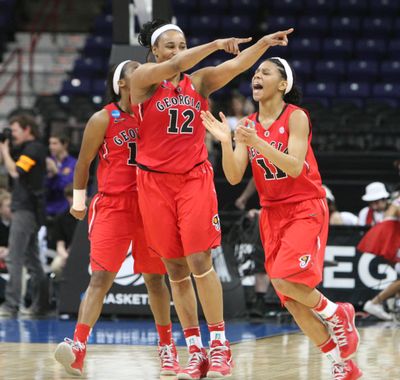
(54, 56)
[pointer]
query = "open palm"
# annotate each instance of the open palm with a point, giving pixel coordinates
(219, 129)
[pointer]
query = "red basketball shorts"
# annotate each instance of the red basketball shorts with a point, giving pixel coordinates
(294, 238)
(114, 224)
(180, 211)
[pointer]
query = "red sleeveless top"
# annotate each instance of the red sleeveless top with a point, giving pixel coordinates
(171, 134)
(274, 186)
(116, 172)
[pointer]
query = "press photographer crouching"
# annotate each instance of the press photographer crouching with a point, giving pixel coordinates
(25, 162)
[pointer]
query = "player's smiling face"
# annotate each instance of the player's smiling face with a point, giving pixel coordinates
(170, 43)
(267, 81)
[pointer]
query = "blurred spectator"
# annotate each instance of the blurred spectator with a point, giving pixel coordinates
(262, 282)
(27, 204)
(63, 232)
(384, 240)
(247, 193)
(239, 108)
(5, 219)
(377, 197)
(338, 217)
(375, 306)
(60, 172)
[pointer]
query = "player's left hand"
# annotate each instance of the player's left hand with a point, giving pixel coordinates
(231, 45)
(246, 133)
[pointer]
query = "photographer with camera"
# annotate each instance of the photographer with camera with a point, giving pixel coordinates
(27, 172)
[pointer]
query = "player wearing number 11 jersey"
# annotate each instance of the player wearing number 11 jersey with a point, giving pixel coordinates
(294, 217)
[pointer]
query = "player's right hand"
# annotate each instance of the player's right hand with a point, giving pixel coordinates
(278, 38)
(78, 214)
(219, 129)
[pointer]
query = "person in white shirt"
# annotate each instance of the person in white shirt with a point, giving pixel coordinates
(377, 197)
(375, 306)
(338, 217)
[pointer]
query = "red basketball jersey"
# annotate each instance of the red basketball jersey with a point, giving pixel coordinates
(274, 186)
(116, 172)
(171, 134)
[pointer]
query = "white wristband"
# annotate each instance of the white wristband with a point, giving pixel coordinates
(79, 199)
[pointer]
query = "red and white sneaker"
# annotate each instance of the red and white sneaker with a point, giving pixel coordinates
(169, 360)
(343, 327)
(346, 371)
(197, 365)
(221, 362)
(71, 355)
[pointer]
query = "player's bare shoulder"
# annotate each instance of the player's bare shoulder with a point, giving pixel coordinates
(100, 118)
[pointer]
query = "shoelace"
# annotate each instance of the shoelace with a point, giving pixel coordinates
(167, 356)
(75, 345)
(194, 360)
(339, 371)
(338, 328)
(217, 355)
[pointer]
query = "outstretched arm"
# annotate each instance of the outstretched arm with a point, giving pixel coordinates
(210, 79)
(150, 74)
(93, 137)
(234, 162)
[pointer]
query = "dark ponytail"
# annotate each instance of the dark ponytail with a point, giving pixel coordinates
(147, 31)
(111, 96)
(294, 96)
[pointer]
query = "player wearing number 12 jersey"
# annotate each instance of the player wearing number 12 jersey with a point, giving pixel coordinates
(114, 218)
(177, 196)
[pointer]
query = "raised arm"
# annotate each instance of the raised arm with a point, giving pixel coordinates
(150, 74)
(210, 79)
(234, 162)
(93, 137)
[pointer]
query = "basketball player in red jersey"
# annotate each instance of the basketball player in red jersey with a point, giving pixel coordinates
(175, 181)
(114, 222)
(294, 217)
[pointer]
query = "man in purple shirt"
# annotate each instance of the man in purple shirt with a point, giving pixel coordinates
(60, 172)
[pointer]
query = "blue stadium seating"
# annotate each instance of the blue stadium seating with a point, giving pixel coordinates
(386, 90)
(320, 89)
(345, 26)
(370, 48)
(337, 48)
(281, 23)
(311, 26)
(304, 47)
(287, 6)
(215, 5)
(329, 70)
(362, 70)
(354, 7)
(244, 6)
(205, 25)
(390, 71)
(354, 89)
(380, 7)
(374, 27)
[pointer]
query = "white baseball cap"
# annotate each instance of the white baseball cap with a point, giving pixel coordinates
(329, 194)
(375, 191)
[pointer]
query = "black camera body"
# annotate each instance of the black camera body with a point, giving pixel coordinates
(5, 134)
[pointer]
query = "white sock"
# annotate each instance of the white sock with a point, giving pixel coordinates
(326, 308)
(194, 340)
(218, 335)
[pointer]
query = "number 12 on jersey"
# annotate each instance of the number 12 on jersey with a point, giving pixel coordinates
(186, 127)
